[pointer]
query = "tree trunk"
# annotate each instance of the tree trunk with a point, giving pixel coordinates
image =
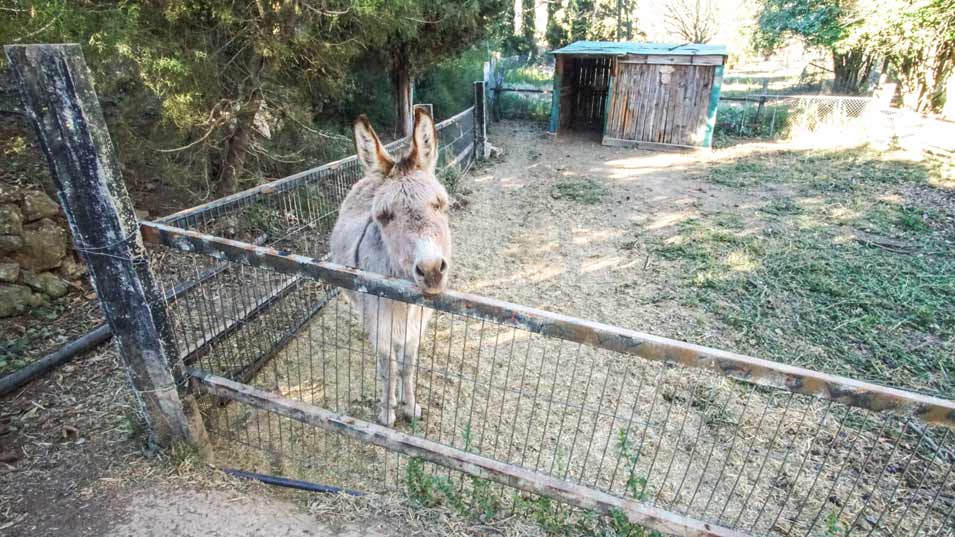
(236, 144)
(851, 71)
(236, 148)
(403, 95)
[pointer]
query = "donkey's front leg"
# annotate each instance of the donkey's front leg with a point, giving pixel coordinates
(407, 404)
(388, 375)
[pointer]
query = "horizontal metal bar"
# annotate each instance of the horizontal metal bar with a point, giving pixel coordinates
(931, 410)
(247, 372)
(468, 463)
(442, 124)
(205, 344)
(521, 90)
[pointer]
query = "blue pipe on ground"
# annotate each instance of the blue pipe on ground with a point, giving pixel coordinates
(290, 483)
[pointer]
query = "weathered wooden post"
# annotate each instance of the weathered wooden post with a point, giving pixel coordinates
(480, 120)
(57, 91)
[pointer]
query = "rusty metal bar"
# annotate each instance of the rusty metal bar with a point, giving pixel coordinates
(931, 410)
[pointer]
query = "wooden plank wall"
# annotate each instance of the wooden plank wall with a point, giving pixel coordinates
(659, 104)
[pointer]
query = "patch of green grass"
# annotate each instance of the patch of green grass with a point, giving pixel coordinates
(818, 171)
(533, 106)
(806, 291)
(833, 526)
(913, 219)
(741, 173)
(585, 191)
(536, 75)
(431, 490)
(782, 207)
(450, 177)
(13, 353)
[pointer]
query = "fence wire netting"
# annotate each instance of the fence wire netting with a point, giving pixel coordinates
(794, 116)
(694, 442)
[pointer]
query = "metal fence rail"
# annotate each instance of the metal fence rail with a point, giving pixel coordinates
(742, 444)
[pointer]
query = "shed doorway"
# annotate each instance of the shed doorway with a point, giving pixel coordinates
(584, 88)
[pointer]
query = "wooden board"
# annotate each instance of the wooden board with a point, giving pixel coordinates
(649, 146)
(660, 104)
(660, 59)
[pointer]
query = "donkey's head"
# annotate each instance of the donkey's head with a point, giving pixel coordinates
(410, 206)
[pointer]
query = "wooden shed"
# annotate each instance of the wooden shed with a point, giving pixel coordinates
(645, 95)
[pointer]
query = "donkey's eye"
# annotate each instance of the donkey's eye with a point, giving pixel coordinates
(439, 204)
(384, 217)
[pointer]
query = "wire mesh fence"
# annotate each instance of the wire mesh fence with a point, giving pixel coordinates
(762, 451)
(764, 461)
(772, 116)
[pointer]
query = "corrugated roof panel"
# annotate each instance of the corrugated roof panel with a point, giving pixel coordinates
(610, 48)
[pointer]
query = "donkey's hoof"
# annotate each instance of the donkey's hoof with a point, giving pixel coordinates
(386, 418)
(406, 410)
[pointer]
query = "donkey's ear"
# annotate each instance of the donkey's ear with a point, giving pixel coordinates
(425, 139)
(371, 154)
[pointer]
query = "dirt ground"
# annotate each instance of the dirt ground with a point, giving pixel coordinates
(76, 465)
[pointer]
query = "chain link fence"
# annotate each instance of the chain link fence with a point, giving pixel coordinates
(794, 116)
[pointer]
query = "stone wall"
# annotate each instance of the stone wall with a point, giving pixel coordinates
(36, 263)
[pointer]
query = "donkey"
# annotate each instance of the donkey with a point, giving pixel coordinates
(394, 222)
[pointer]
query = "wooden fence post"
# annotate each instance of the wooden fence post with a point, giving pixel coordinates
(480, 120)
(57, 92)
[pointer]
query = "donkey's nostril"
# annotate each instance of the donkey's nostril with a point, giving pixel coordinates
(444, 266)
(418, 271)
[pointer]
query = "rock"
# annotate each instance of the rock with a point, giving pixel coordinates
(17, 299)
(37, 205)
(10, 243)
(72, 269)
(141, 214)
(494, 152)
(11, 219)
(9, 272)
(9, 194)
(45, 282)
(44, 246)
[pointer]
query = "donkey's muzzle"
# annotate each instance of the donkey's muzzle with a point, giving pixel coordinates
(431, 275)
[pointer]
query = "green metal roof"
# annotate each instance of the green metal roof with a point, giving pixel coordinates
(609, 48)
